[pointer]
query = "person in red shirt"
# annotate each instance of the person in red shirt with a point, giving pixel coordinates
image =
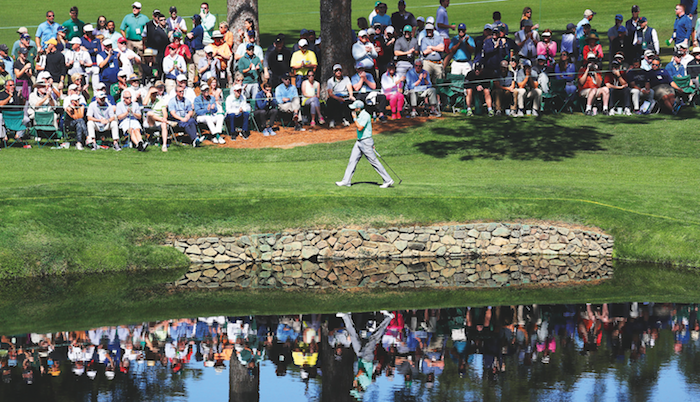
(178, 47)
(590, 81)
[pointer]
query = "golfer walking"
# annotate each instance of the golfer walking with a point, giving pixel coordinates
(363, 146)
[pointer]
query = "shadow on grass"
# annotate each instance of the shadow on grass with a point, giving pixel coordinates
(523, 139)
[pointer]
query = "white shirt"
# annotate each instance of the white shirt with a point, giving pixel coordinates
(128, 59)
(80, 59)
(237, 105)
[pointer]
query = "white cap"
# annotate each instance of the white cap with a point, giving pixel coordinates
(136, 4)
(649, 53)
(109, 374)
(303, 42)
(121, 73)
(590, 55)
(371, 31)
(88, 28)
(203, 87)
(430, 20)
(72, 87)
(107, 42)
(389, 29)
(43, 75)
(337, 67)
(357, 104)
(75, 41)
(237, 87)
(208, 49)
(71, 98)
(361, 33)
(429, 26)
(181, 77)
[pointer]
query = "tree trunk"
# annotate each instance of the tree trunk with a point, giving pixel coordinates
(238, 12)
(244, 385)
(336, 38)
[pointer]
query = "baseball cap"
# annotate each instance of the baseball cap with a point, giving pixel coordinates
(337, 67)
(682, 45)
(101, 95)
(358, 104)
(570, 27)
(61, 28)
(390, 65)
(136, 4)
(649, 53)
(121, 39)
(371, 32)
(217, 34)
(589, 12)
(461, 27)
(303, 42)
(25, 36)
(52, 41)
(88, 28)
(107, 42)
(677, 54)
(479, 65)
(429, 27)
(43, 75)
(621, 29)
(150, 52)
(541, 57)
(430, 20)
(359, 66)
(389, 29)
(208, 49)
(488, 26)
(407, 28)
(159, 83)
(643, 19)
(590, 56)
(237, 87)
(23, 50)
(695, 50)
(635, 8)
(360, 34)
(121, 73)
(249, 46)
(546, 33)
(177, 34)
(619, 17)
(203, 87)
(181, 77)
(75, 41)
(304, 31)
(72, 87)
(22, 30)
(421, 19)
(173, 9)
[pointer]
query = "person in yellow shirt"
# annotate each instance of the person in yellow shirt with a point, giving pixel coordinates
(303, 61)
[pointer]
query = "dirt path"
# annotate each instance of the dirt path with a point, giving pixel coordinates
(288, 138)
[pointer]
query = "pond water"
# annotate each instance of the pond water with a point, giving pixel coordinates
(623, 351)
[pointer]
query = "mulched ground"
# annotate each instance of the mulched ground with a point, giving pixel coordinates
(288, 138)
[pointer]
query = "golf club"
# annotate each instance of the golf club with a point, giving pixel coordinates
(387, 165)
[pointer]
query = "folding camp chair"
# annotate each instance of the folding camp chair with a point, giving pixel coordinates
(12, 119)
(44, 124)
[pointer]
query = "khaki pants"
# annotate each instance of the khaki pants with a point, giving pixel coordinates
(436, 70)
(534, 94)
(503, 99)
(192, 74)
(137, 47)
(292, 106)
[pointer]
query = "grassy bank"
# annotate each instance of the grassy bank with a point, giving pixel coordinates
(636, 178)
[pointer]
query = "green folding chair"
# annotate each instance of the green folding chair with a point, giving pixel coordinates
(44, 125)
(13, 123)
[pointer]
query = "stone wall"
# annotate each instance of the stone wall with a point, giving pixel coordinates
(449, 241)
(492, 271)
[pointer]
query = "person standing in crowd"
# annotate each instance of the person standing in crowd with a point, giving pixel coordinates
(363, 146)
(47, 30)
(277, 61)
(432, 47)
(405, 50)
(682, 27)
(462, 47)
(402, 18)
(649, 37)
(24, 71)
(132, 27)
(208, 23)
(587, 18)
(176, 23)
(74, 26)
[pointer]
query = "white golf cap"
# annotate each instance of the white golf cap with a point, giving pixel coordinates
(430, 20)
(101, 95)
(208, 49)
(303, 42)
(337, 67)
(88, 28)
(590, 55)
(237, 87)
(107, 42)
(72, 87)
(136, 4)
(389, 29)
(357, 104)
(361, 33)
(649, 53)
(43, 75)
(75, 41)
(429, 27)
(203, 87)
(588, 13)
(122, 73)
(181, 77)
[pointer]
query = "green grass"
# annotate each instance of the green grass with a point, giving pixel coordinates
(305, 14)
(71, 211)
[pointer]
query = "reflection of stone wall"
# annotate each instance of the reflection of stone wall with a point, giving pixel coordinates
(414, 273)
(453, 241)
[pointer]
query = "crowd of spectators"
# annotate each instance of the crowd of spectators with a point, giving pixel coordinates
(157, 73)
(407, 345)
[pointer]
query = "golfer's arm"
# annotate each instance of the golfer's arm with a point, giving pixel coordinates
(359, 126)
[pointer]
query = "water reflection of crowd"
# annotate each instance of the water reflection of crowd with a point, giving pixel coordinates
(410, 345)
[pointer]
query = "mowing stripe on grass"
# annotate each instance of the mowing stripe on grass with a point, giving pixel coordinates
(356, 196)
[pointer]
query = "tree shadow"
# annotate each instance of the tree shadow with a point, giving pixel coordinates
(544, 138)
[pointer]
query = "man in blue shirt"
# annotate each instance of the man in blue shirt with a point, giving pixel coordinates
(181, 110)
(47, 30)
(682, 26)
(287, 97)
(587, 17)
(461, 48)
(431, 47)
(363, 146)
(675, 68)
(418, 85)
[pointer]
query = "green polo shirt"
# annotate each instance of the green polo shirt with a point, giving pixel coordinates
(73, 29)
(133, 26)
(251, 77)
